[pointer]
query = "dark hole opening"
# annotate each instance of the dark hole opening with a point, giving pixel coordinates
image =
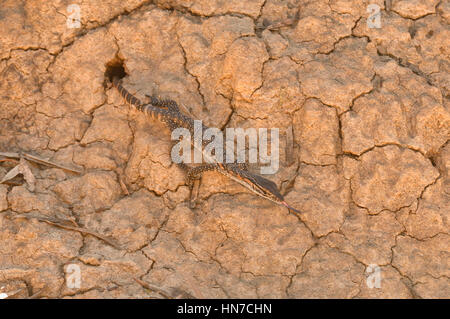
(115, 68)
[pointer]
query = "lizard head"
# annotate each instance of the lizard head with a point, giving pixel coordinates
(264, 188)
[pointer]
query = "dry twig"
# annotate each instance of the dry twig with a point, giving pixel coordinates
(39, 160)
(63, 224)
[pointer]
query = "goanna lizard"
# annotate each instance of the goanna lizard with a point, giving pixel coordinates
(168, 112)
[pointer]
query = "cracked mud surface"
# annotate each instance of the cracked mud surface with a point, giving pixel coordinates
(370, 115)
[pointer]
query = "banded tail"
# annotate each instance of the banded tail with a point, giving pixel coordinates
(127, 96)
(149, 109)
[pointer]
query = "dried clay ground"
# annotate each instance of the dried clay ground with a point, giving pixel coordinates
(368, 165)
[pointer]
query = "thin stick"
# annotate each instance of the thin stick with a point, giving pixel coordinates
(57, 223)
(48, 163)
(35, 295)
(39, 160)
(153, 288)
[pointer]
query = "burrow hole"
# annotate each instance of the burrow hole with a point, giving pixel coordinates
(114, 68)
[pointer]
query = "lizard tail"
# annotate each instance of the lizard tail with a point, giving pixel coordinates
(154, 112)
(127, 96)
